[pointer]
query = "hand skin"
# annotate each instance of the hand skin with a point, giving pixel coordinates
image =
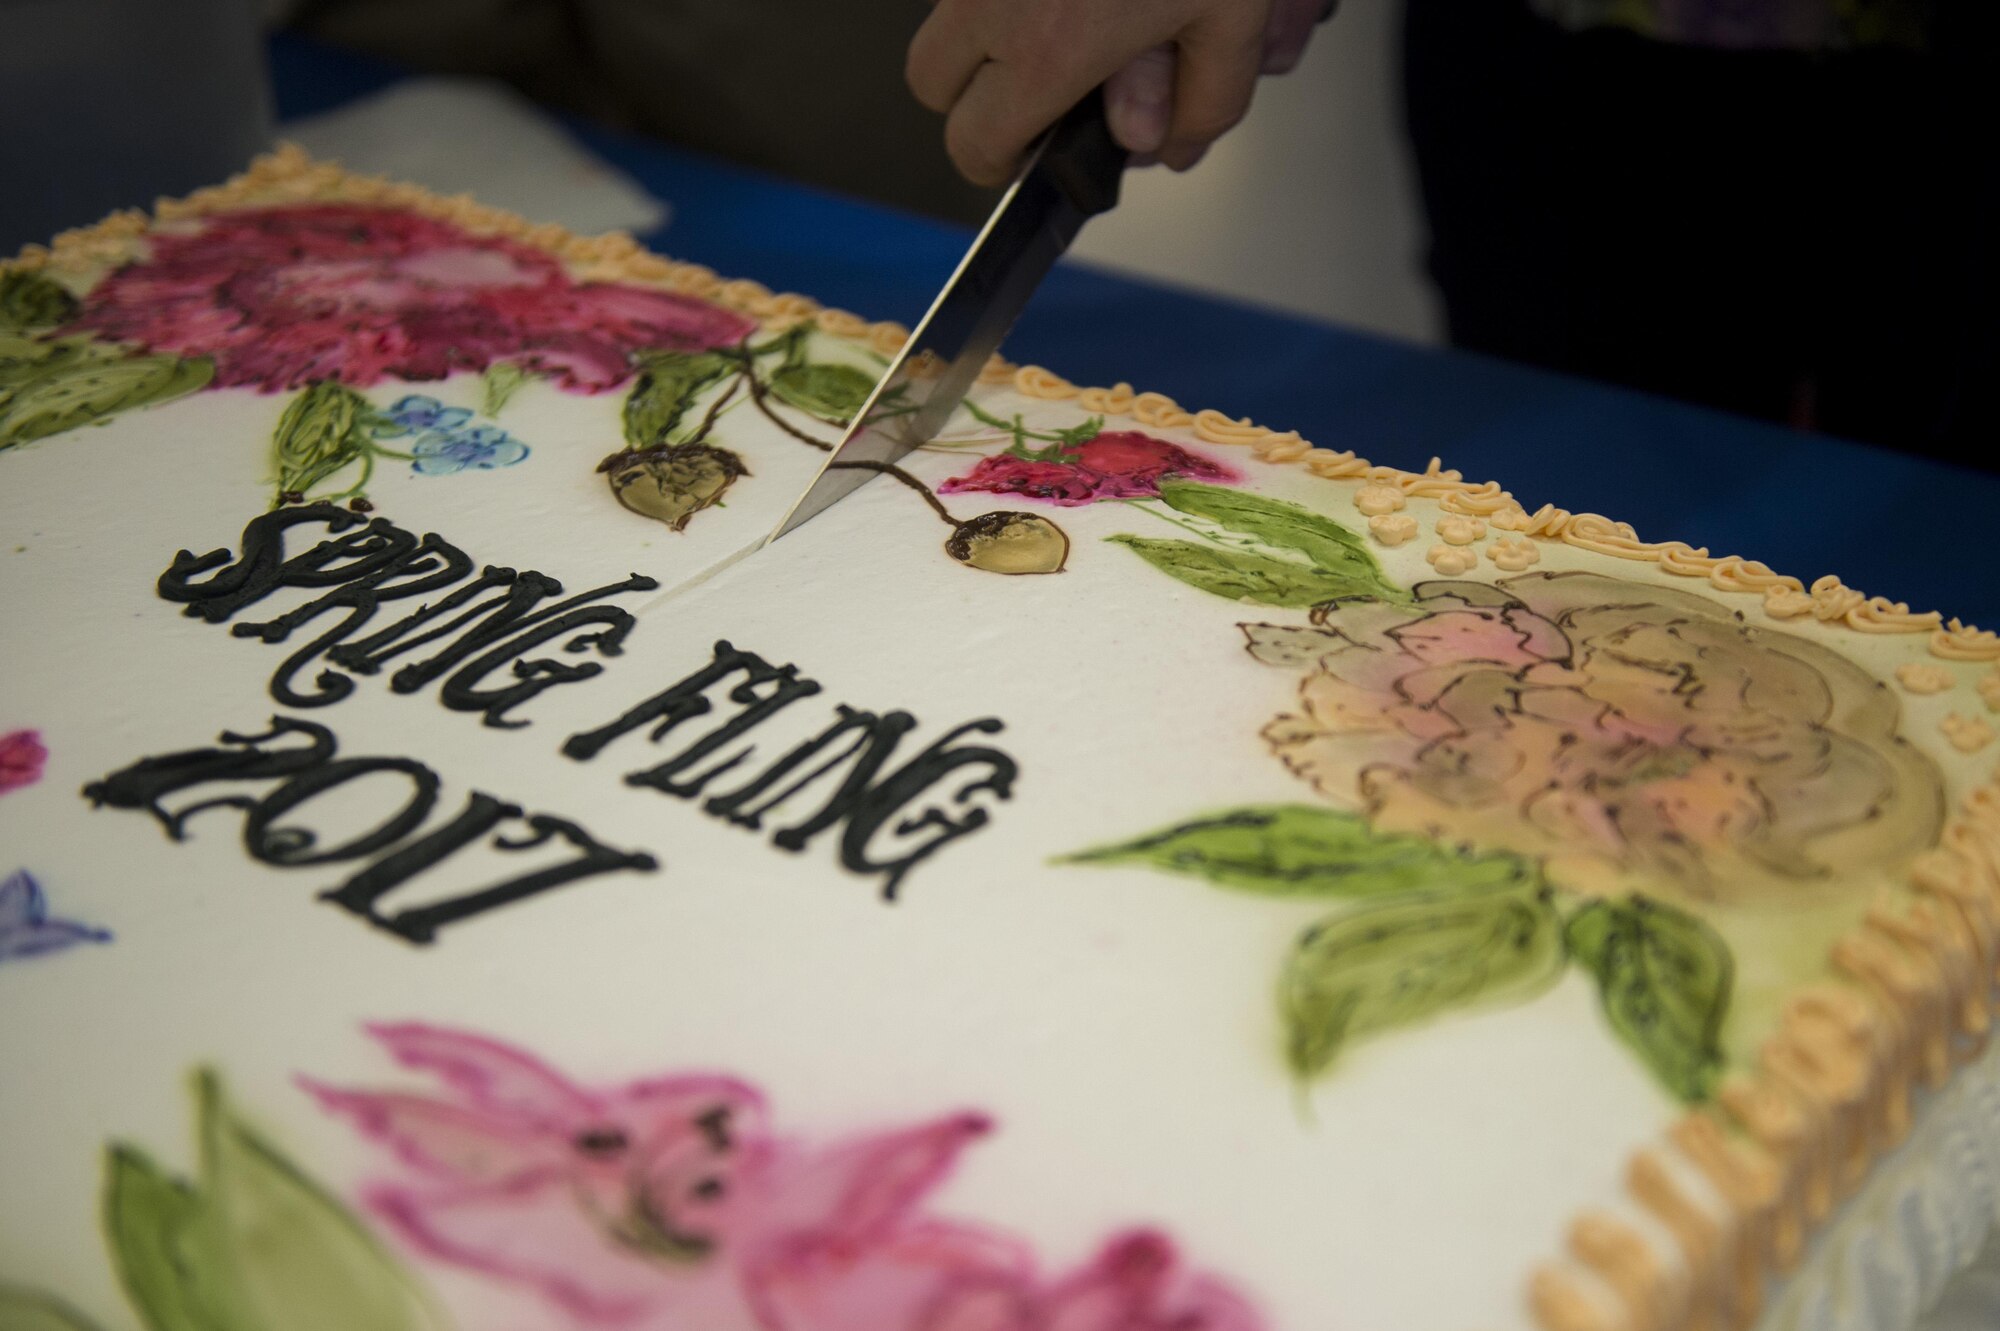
(1178, 74)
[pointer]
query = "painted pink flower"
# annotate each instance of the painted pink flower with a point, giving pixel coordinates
(22, 755)
(1117, 464)
(285, 297)
(668, 1204)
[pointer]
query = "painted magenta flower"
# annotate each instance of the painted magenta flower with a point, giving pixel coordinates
(22, 756)
(1115, 464)
(669, 1204)
(1631, 738)
(443, 452)
(284, 297)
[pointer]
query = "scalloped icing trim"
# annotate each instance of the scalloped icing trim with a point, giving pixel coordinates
(1739, 1185)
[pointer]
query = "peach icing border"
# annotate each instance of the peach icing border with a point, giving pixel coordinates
(1739, 1184)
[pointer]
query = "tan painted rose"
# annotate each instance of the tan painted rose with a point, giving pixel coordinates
(1632, 738)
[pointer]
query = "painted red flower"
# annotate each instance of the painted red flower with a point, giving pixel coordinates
(1117, 464)
(285, 297)
(668, 1204)
(22, 755)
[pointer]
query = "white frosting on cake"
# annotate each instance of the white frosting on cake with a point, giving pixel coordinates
(1116, 1023)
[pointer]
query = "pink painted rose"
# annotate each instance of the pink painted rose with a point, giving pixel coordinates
(284, 297)
(1631, 738)
(22, 755)
(1117, 464)
(668, 1204)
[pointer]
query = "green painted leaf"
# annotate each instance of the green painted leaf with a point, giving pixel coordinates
(154, 1227)
(667, 386)
(501, 382)
(296, 1258)
(1242, 575)
(833, 393)
(26, 1310)
(1396, 963)
(76, 385)
(1304, 850)
(1326, 543)
(33, 300)
(1665, 978)
(324, 430)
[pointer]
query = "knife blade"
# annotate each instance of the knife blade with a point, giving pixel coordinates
(1070, 176)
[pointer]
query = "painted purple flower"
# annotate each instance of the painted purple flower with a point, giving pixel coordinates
(25, 927)
(22, 756)
(1116, 464)
(443, 452)
(281, 298)
(668, 1204)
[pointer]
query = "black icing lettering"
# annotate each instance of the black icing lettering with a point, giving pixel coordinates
(871, 741)
(882, 833)
(480, 636)
(261, 569)
(685, 700)
(913, 780)
(428, 566)
(401, 856)
(461, 692)
(292, 846)
(250, 576)
(145, 783)
(420, 924)
(483, 626)
(365, 656)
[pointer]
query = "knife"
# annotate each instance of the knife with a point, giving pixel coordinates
(1070, 176)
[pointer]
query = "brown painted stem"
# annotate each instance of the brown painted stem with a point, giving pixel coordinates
(888, 469)
(763, 405)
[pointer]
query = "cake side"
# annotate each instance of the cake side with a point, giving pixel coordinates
(1771, 1147)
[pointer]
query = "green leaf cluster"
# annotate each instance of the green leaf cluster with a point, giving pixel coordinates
(1436, 929)
(251, 1245)
(48, 386)
(1306, 558)
(33, 300)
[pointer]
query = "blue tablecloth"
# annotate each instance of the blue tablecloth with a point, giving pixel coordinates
(1888, 524)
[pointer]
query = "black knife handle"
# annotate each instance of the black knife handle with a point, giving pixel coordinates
(1082, 158)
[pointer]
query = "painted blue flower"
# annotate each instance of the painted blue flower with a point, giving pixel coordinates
(414, 414)
(419, 412)
(25, 927)
(443, 452)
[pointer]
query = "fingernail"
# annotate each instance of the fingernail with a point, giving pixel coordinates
(1139, 124)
